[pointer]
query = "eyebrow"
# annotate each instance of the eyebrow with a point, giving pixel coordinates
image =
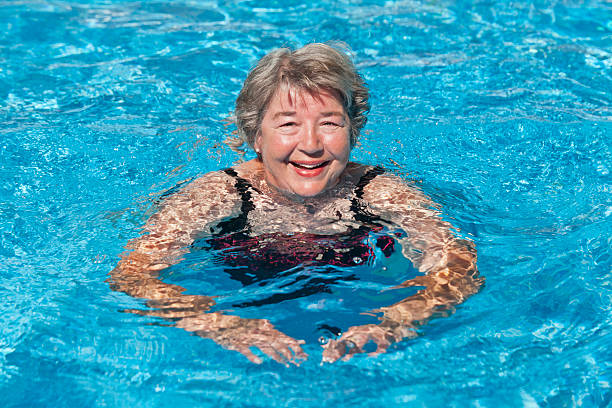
(332, 113)
(279, 114)
(293, 113)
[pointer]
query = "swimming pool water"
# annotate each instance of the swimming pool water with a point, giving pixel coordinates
(499, 110)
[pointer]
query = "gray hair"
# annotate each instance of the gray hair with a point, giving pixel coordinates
(313, 68)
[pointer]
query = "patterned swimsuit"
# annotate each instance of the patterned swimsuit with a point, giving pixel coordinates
(257, 259)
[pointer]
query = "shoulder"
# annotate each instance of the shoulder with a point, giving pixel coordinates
(251, 170)
(213, 180)
(216, 185)
(198, 195)
(201, 201)
(361, 174)
(384, 187)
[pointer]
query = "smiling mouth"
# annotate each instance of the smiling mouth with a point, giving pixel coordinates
(309, 166)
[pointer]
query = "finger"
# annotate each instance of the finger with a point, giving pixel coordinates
(140, 312)
(380, 340)
(333, 350)
(272, 353)
(352, 349)
(379, 350)
(246, 351)
(283, 350)
(357, 337)
(347, 357)
(285, 353)
(289, 348)
(343, 348)
(298, 353)
(292, 351)
(381, 347)
(355, 341)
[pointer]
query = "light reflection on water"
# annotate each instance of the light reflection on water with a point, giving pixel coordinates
(500, 112)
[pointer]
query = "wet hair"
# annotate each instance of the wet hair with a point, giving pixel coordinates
(314, 68)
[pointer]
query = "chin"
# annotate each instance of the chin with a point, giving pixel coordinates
(307, 192)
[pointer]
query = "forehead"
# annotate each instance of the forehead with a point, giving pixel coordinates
(298, 99)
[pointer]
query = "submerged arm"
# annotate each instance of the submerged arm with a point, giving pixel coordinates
(447, 262)
(167, 237)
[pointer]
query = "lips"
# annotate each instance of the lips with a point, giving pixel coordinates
(309, 165)
(309, 169)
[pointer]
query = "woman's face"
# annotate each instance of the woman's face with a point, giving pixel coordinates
(304, 142)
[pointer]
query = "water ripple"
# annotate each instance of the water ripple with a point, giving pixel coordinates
(500, 112)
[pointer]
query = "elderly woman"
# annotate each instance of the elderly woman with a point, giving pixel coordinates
(300, 201)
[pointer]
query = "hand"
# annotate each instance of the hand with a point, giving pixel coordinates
(354, 341)
(357, 337)
(235, 333)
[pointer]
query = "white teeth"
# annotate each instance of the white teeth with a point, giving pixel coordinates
(309, 166)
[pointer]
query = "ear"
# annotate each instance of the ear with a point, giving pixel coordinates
(257, 144)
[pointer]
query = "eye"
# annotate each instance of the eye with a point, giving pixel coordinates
(287, 124)
(334, 124)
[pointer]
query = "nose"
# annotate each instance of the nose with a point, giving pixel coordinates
(311, 142)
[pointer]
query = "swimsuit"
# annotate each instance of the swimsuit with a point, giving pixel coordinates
(261, 258)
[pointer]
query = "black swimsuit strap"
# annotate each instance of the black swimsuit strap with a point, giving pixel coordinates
(238, 223)
(357, 206)
(244, 188)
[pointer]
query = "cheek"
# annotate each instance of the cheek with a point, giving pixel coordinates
(339, 145)
(277, 147)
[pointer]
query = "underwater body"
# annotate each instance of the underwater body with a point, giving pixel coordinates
(500, 112)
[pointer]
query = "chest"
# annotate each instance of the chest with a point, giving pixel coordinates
(325, 216)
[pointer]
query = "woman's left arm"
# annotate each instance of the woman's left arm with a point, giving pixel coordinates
(448, 265)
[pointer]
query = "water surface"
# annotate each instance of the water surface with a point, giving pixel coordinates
(499, 110)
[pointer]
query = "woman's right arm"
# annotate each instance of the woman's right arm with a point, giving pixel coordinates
(167, 236)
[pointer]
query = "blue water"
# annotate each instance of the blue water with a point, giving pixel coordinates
(501, 111)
